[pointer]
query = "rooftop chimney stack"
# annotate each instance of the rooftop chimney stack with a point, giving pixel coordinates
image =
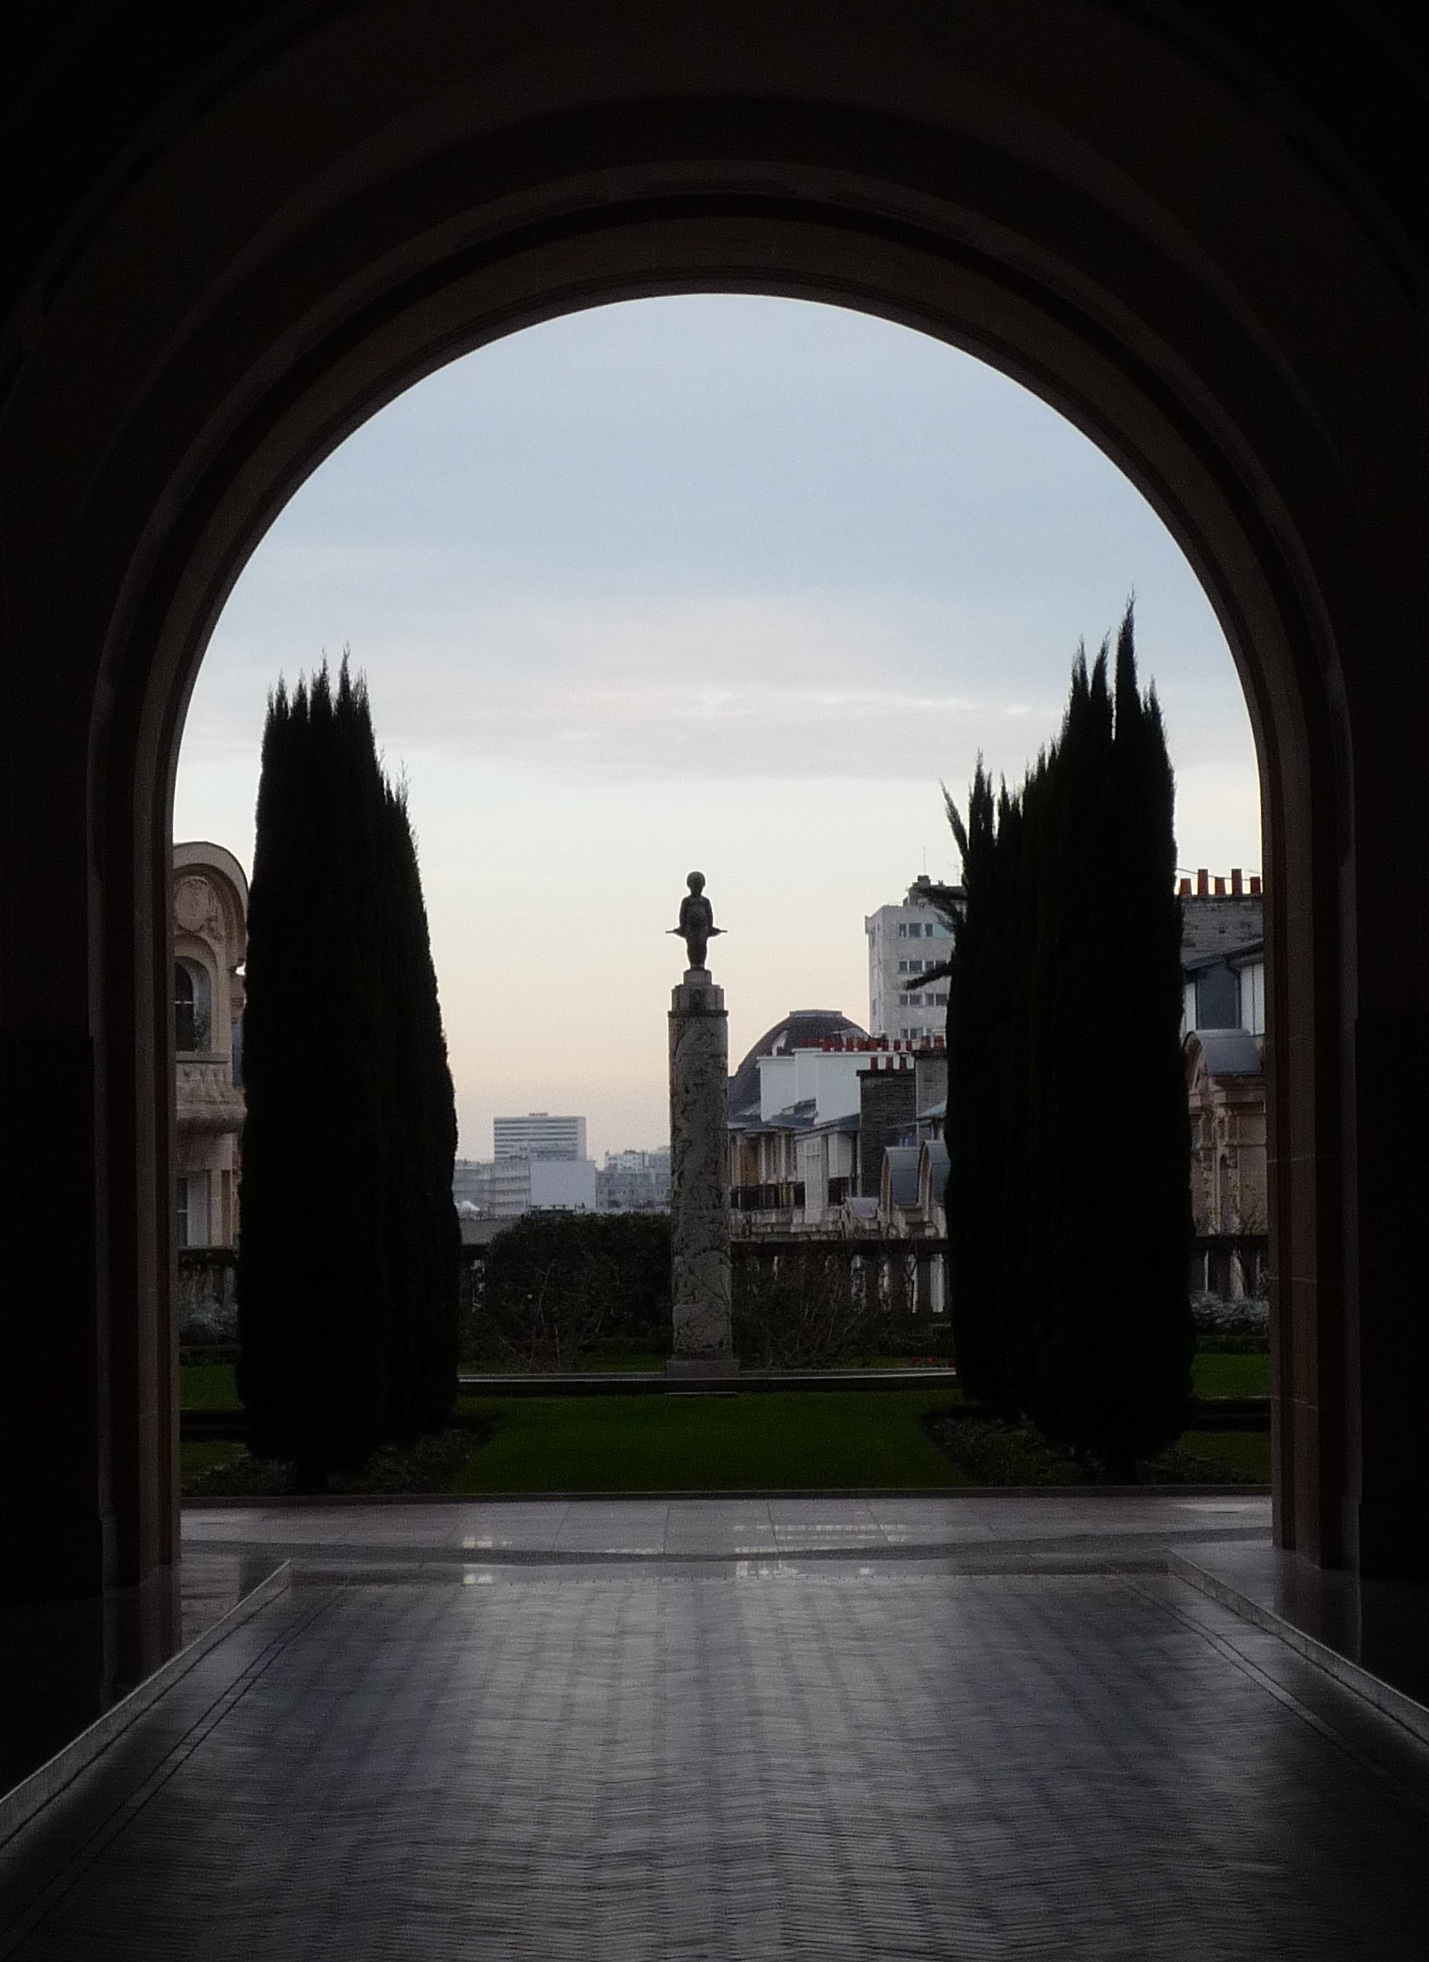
(1236, 892)
(1203, 882)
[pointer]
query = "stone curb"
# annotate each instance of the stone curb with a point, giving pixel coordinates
(27, 1799)
(1352, 1676)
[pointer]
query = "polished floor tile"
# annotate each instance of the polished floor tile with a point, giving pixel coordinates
(738, 1759)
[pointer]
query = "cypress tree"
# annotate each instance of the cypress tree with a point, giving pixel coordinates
(1113, 1330)
(347, 1338)
(1070, 1151)
(979, 1061)
(424, 1252)
(309, 1282)
(1022, 1253)
(1074, 1075)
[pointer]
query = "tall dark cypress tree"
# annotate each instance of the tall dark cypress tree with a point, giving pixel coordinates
(310, 1288)
(425, 1243)
(348, 1230)
(1089, 1144)
(979, 1062)
(1113, 1330)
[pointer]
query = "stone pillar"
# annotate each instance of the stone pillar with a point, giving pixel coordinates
(699, 1179)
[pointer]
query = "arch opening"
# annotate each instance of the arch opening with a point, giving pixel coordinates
(790, 566)
(1123, 441)
(1040, 269)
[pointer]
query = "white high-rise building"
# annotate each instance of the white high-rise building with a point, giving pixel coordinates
(538, 1135)
(904, 942)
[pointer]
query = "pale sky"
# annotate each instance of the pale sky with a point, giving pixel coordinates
(711, 581)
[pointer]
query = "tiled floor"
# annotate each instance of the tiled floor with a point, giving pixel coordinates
(847, 1751)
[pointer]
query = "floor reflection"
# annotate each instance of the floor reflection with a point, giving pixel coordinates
(64, 1663)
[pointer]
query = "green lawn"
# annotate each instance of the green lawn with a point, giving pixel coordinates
(697, 1443)
(759, 1441)
(1243, 1451)
(195, 1458)
(756, 1441)
(1231, 1376)
(207, 1386)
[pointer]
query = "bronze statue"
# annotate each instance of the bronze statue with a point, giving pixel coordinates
(697, 927)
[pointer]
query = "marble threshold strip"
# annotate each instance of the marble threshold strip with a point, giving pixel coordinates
(24, 1801)
(1350, 1674)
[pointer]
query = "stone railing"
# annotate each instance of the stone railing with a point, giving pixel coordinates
(208, 1296)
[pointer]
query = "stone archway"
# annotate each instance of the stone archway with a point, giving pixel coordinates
(291, 213)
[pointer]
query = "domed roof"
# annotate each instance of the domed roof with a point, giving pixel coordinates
(802, 1028)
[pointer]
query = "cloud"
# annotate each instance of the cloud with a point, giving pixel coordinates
(647, 690)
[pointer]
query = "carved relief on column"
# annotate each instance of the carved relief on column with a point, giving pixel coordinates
(699, 1193)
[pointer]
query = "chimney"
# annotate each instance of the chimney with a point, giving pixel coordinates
(1183, 891)
(1255, 885)
(1236, 892)
(1220, 888)
(1203, 882)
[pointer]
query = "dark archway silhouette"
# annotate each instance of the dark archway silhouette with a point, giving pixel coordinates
(1195, 234)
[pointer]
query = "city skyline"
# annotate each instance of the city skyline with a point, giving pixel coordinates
(713, 581)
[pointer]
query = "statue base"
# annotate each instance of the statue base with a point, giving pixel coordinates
(697, 994)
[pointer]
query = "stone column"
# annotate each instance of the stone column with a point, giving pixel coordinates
(699, 1179)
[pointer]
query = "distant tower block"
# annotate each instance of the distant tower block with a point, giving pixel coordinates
(703, 1343)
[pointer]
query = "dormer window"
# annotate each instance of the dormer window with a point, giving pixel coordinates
(191, 1007)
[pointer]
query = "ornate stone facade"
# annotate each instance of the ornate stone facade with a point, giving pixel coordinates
(1225, 1089)
(210, 910)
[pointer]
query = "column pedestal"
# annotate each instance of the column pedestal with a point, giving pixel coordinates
(703, 1345)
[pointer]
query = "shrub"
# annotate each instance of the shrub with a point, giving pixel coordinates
(813, 1307)
(557, 1285)
(1232, 1326)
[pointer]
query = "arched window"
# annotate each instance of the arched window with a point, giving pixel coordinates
(191, 1007)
